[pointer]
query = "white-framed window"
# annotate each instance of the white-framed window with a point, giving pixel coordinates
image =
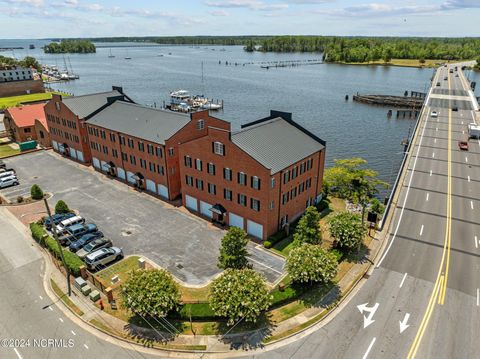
(227, 194)
(200, 125)
(198, 164)
(227, 174)
(170, 151)
(255, 204)
(219, 148)
(271, 205)
(211, 168)
(255, 182)
(242, 178)
(212, 189)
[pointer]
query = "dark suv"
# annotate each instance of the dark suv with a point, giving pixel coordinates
(57, 218)
(83, 241)
(76, 231)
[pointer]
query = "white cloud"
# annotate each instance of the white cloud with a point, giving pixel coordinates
(218, 13)
(247, 4)
(35, 3)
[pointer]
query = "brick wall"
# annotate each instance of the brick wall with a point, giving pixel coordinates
(16, 88)
(42, 134)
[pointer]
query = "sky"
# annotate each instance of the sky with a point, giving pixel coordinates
(87, 18)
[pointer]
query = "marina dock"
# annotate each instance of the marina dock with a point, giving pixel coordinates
(391, 101)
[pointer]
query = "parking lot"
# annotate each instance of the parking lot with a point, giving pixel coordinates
(176, 240)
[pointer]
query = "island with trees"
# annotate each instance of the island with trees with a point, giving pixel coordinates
(70, 47)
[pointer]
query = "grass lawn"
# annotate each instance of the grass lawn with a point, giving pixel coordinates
(17, 100)
(121, 269)
(64, 297)
(6, 150)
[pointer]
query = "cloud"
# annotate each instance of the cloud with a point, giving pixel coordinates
(218, 13)
(247, 4)
(35, 3)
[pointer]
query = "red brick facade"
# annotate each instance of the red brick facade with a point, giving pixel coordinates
(68, 132)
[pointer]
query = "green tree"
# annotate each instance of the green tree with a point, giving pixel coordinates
(233, 250)
(150, 292)
(308, 228)
(36, 192)
(239, 294)
(376, 206)
(310, 263)
(477, 65)
(250, 46)
(61, 207)
(348, 230)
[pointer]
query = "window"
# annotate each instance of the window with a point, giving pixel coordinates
(151, 166)
(143, 163)
(103, 135)
(173, 170)
(285, 198)
(105, 150)
(130, 143)
(309, 164)
(141, 146)
(188, 161)
(302, 167)
(124, 156)
(272, 182)
(227, 174)
(294, 172)
(271, 206)
(133, 160)
(242, 178)
(57, 106)
(219, 148)
(293, 193)
(27, 130)
(286, 177)
(227, 194)
(242, 199)
(301, 187)
(112, 137)
(161, 170)
(200, 125)
(211, 169)
(189, 180)
(212, 189)
(170, 151)
(255, 182)
(255, 204)
(122, 140)
(308, 183)
(149, 149)
(159, 152)
(198, 164)
(199, 184)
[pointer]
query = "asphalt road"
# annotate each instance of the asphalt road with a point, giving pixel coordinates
(181, 242)
(429, 278)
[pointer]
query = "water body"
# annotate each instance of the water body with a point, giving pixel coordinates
(314, 94)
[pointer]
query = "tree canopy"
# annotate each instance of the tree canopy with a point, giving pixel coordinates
(61, 207)
(70, 46)
(36, 192)
(308, 228)
(239, 294)
(348, 230)
(311, 263)
(233, 250)
(150, 292)
(28, 61)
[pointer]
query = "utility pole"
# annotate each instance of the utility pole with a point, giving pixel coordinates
(55, 236)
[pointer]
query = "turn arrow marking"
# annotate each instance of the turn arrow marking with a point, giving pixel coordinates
(367, 319)
(403, 323)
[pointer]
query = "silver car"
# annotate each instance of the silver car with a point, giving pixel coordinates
(99, 259)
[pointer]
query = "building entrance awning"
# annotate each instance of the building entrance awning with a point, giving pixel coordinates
(138, 176)
(218, 209)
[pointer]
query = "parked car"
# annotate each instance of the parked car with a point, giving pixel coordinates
(94, 245)
(76, 231)
(455, 108)
(446, 78)
(434, 114)
(8, 174)
(57, 218)
(84, 240)
(463, 145)
(438, 83)
(99, 259)
(8, 181)
(63, 225)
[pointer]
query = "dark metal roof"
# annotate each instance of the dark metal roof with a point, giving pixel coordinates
(140, 121)
(277, 143)
(85, 105)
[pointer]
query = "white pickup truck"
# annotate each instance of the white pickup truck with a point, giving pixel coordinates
(473, 130)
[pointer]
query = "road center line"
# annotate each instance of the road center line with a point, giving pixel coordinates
(468, 178)
(403, 280)
(433, 155)
(478, 297)
(430, 172)
(369, 348)
(428, 195)
(476, 242)
(421, 230)
(18, 354)
(471, 204)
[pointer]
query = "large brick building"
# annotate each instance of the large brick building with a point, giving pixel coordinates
(259, 178)
(140, 144)
(66, 119)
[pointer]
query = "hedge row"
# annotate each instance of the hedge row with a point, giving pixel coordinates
(72, 261)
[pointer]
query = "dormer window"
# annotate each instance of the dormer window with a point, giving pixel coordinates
(219, 148)
(200, 125)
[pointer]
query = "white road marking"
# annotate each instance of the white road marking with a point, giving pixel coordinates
(86, 346)
(273, 269)
(433, 155)
(40, 297)
(462, 121)
(50, 308)
(428, 195)
(369, 348)
(71, 331)
(60, 319)
(436, 128)
(471, 204)
(368, 319)
(421, 230)
(404, 323)
(463, 132)
(468, 178)
(435, 140)
(476, 242)
(478, 297)
(466, 159)
(408, 189)
(18, 354)
(403, 280)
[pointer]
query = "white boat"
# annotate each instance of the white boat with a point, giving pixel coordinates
(211, 106)
(178, 97)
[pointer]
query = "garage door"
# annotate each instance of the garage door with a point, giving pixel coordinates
(80, 156)
(151, 186)
(255, 229)
(235, 221)
(73, 153)
(96, 162)
(205, 209)
(191, 203)
(55, 145)
(121, 173)
(163, 190)
(130, 178)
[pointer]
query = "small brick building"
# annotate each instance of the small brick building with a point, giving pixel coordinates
(26, 123)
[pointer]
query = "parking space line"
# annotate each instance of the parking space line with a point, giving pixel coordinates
(264, 265)
(18, 354)
(421, 230)
(430, 172)
(468, 178)
(403, 280)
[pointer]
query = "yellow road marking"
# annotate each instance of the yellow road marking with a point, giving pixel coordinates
(440, 292)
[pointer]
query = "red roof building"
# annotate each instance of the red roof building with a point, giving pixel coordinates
(26, 123)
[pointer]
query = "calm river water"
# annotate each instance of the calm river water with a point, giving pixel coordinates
(315, 94)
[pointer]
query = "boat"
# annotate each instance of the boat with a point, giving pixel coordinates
(31, 46)
(178, 97)
(111, 55)
(127, 57)
(211, 106)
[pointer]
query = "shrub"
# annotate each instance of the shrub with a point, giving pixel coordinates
(61, 207)
(347, 230)
(309, 263)
(267, 244)
(20, 199)
(36, 192)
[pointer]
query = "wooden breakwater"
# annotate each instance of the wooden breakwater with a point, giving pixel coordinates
(391, 101)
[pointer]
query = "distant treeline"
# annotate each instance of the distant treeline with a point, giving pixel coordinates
(334, 48)
(70, 46)
(10, 62)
